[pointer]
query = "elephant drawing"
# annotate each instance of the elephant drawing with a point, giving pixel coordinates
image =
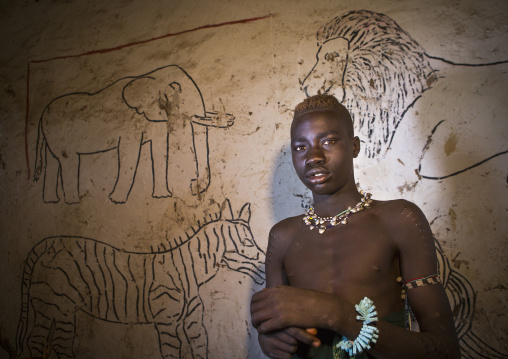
(123, 116)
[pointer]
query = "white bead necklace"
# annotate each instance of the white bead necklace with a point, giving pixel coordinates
(314, 221)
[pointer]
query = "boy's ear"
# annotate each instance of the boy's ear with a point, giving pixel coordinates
(356, 146)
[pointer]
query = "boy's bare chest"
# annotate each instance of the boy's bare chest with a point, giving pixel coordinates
(341, 258)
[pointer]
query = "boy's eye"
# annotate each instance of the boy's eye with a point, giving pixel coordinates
(299, 148)
(329, 141)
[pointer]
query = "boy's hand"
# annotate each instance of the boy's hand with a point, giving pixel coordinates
(282, 344)
(284, 306)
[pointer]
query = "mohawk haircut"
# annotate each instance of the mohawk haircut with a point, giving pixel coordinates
(326, 104)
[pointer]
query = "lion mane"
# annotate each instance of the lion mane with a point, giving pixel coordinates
(386, 72)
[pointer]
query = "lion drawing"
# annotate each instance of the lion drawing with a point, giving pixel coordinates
(374, 68)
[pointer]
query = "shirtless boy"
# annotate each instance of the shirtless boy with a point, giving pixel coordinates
(317, 272)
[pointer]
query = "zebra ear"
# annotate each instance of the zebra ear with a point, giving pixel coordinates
(225, 210)
(245, 213)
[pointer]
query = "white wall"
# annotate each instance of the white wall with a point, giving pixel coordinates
(247, 66)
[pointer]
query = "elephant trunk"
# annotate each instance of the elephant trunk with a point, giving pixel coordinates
(41, 141)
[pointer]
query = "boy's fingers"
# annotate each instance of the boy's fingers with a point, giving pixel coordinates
(256, 305)
(304, 336)
(258, 318)
(278, 345)
(312, 331)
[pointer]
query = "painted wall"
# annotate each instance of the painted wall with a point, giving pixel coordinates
(144, 157)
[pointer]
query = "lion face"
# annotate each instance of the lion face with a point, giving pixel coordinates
(327, 74)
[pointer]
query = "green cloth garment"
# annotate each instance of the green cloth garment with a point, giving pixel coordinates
(325, 351)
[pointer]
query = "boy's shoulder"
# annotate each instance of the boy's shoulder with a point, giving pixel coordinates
(283, 232)
(390, 207)
(396, 208)
(401, 217)
(287, 226)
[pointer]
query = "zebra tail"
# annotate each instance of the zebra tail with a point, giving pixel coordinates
(34, 255)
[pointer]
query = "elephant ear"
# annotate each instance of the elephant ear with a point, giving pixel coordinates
(143, 95)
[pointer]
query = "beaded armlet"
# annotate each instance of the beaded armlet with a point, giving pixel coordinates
(423, 281)
(411, 284)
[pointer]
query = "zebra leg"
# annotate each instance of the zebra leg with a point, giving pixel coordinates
(194, 328)
(166, 307)
(52, 330)
(63, 338)
(169, 341)
(39, 336)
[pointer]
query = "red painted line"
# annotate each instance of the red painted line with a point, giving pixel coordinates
(103, 51)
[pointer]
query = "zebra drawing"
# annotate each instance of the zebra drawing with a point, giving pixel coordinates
(66, 274)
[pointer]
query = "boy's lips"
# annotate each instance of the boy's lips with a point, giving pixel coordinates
(317, 175)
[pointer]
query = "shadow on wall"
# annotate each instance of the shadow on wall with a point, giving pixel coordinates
(289, 196)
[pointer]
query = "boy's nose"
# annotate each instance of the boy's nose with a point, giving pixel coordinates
(315, 156)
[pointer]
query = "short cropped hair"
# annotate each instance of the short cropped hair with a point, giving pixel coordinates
(327, 104)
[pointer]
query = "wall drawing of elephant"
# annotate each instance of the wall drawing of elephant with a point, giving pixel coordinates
(123, 116)
(65, 274)
(378, 71)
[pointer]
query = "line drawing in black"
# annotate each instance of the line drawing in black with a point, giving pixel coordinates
(124, 116)
(377, 70)
(444, 176)
(462, 299)
(67, 274)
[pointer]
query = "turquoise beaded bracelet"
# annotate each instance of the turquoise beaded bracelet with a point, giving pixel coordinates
(368, 334)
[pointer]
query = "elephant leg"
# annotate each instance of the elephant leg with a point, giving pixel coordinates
(195, 330)
(129, 149)
(51, 177)
(201, 151)
(159, 149)
(69, 170)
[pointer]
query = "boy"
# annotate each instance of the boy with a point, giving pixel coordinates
(348, 247)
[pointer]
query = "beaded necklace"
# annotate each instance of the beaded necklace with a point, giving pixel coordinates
(314, 221)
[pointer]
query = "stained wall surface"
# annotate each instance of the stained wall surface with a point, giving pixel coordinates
(144, 156)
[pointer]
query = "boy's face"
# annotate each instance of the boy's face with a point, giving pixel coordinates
(323, 152)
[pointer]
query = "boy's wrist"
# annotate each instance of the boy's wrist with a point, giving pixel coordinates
(343, 319)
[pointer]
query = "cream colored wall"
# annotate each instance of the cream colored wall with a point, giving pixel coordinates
(247, 66)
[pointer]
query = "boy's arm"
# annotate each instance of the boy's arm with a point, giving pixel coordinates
(417, 252)
(281, 343)
(288, 306)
